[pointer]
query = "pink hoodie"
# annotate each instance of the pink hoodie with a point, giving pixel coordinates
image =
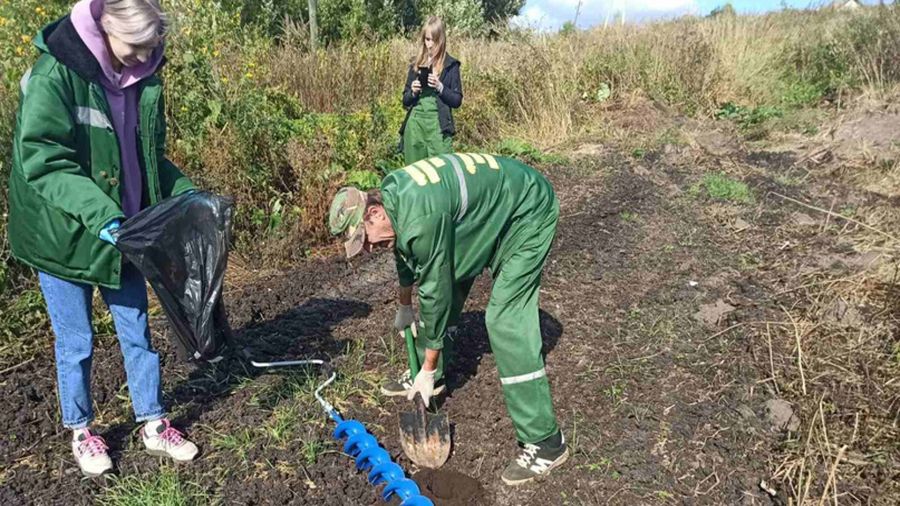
(122, 96)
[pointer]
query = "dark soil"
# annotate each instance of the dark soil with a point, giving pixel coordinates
(449, 488)
(657, 406)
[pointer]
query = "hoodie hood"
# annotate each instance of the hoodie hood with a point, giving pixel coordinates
(85, 20)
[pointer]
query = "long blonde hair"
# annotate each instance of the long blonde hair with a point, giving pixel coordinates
(435, 27)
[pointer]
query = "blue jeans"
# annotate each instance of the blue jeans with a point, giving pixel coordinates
(69, 305)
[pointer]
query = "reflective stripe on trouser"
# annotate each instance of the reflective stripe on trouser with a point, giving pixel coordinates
(515, 334)
(460, 293)
(422, 137)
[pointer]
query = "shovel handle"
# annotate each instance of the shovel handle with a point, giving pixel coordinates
(420, 405)
(411, 351)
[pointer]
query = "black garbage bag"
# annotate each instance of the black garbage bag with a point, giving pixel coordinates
(181, 247)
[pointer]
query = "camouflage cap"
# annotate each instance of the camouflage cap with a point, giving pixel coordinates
(346, 217)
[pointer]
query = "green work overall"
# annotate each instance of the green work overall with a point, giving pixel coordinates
(422, 137)
(454, 215)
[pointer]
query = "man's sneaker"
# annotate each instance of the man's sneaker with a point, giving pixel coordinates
(167, 441)
(401, 385)
(536, 460)
(90, 453)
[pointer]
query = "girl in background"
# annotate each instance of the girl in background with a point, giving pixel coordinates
(428, 128)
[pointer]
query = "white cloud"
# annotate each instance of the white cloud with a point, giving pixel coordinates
(535, 16)
(549, 14)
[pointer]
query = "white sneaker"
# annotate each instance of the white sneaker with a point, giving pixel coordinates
(90, 453)
(168, 442)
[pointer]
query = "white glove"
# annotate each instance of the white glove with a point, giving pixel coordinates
(424, 385)
(405, 317)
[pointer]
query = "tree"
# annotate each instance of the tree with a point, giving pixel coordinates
(501, 10)
(313, 26)
(723, 10)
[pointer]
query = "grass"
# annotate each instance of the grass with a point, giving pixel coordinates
(23, 320)
(518, 148)
(238, 442)
(628, 216)
(604, 465)
(293, 419)
(718, 186)
(616, 394)
(164, 488)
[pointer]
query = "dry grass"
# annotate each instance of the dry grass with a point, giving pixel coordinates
(836, 356)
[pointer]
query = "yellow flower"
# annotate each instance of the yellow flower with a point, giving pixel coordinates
(224, 79)
(251, 65)
(26, 39)
(184, 108)
(216, 53)
(249, 75)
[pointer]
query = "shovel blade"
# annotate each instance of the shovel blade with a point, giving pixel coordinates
(425, 437)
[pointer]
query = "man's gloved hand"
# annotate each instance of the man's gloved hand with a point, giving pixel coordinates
(424, 385)
(405, 317)
(106, 233)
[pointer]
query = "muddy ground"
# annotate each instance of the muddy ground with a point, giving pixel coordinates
(670, 322)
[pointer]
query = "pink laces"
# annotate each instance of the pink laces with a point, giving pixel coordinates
(171, 435)
(93, 445)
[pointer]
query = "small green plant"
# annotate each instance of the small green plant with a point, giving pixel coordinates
(628, 216)
(165, 488)
(662, 494)
(616, 393)
(363, 179)
(747, 117)
(785, 179)
(721, 187)
(282, 424)
(604, 465)
(238, 442)
(517, 148)
(312, 450)
(848, 211)
(749, 261)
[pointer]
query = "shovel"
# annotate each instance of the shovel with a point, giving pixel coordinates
(425, 437)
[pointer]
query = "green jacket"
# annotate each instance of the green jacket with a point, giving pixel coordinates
(64, 183)
(454, 215)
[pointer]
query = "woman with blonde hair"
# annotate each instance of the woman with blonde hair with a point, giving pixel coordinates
(88, 152)
(433, 88)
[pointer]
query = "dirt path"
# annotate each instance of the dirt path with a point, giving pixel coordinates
(651, 303)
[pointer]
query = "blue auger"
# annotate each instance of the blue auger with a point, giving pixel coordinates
(360, 444)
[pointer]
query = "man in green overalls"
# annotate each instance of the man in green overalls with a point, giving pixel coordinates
(449, 217)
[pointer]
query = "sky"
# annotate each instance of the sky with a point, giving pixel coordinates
(551, 14)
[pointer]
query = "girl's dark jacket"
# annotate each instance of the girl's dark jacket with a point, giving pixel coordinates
(450, 98)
